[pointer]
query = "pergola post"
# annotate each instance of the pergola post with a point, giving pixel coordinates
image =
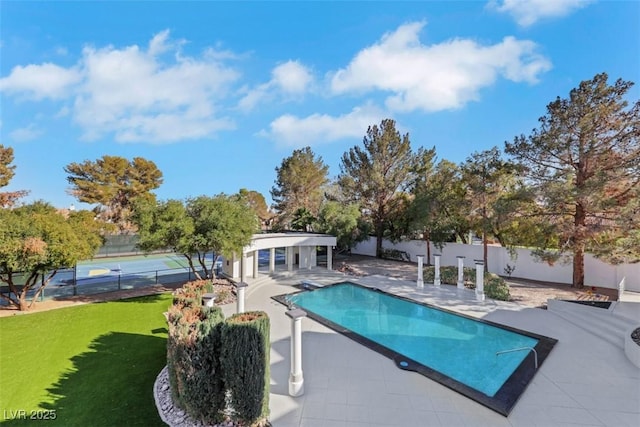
(296, 378)
(240, 291)
(420, 281)
(436, 277)
(272, 260)
(460, 284)
(479, 280)
(243, 268)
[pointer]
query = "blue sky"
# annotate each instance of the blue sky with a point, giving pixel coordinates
(218, 93)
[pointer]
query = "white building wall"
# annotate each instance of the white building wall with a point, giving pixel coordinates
(597, 273)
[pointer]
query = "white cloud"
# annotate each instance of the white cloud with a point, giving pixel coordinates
(135, 95)
(292, 77)
(25, 134)
(292, 131)
(438, 76)
(528, 12)
(289, 79)
(40, 81)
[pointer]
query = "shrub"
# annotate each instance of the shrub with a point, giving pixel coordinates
(190, 294)
(245, 363)
(495, 286)
(193, 359)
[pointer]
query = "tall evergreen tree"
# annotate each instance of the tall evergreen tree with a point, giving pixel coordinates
(489, 180)
(299, 183)
(584, 160)
(439, 209)
(374, 174)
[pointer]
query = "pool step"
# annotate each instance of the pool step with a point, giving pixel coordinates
(598, 321)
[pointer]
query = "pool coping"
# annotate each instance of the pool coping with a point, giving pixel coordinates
(504, 399)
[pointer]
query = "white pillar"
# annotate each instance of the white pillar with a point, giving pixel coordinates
(436, 277)
(460, 272)
(272, 260)
(329, 258)
(240, 290)
(420, 282)
(479, 280)
(209, 299)
(296, 379)
(243, 268)
(256, 264)
(289, 255)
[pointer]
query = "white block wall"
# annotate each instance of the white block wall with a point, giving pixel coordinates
(597, 273)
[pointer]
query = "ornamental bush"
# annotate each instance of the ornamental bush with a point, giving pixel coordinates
(495, 287)
(193, 361)
(193, 354)
(245, 363)
(190, 294)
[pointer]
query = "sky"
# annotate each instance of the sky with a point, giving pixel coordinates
(217, 94)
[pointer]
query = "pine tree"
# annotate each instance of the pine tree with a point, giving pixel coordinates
(584, 161)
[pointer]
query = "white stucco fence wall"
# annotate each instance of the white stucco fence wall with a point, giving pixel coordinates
(597, 273)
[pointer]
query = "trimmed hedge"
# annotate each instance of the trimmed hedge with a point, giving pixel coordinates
(193, 361)
(495, 286)
(245, 363)
(209, 359)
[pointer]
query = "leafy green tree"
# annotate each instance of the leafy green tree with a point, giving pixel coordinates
(343, 221)
(374, 174)
(221, 224)
(7, 171)
(299, 183)
(35, 242)
(584, 161)
(114, 183)
(439, 208)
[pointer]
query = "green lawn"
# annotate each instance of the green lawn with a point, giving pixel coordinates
(94, 365)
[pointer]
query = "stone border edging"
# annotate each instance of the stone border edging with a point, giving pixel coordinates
(156, 396)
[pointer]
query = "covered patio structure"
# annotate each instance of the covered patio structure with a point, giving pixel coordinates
(300, 252)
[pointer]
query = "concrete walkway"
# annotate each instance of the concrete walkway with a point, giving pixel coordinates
(584, 381)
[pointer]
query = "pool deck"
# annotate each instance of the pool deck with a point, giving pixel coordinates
(585, 380)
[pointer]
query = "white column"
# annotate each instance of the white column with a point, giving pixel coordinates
(296, 379)
(256, 264)
(272, 260)
(479, 280)
(243, 268)
(329, 258)
(460, 272)
(289, 256)
(420, 281)
(240, 291)
(209, 299)
(311, 253)
(436, 277)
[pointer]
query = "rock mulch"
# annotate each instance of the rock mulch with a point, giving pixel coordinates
(174, 416)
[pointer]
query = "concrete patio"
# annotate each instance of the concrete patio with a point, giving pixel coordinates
(585, 380)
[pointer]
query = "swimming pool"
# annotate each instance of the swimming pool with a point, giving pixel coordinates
(455, 350)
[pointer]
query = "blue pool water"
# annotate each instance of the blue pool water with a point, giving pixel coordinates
(461, 348)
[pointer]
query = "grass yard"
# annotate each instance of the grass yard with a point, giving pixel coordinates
(91, 365)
